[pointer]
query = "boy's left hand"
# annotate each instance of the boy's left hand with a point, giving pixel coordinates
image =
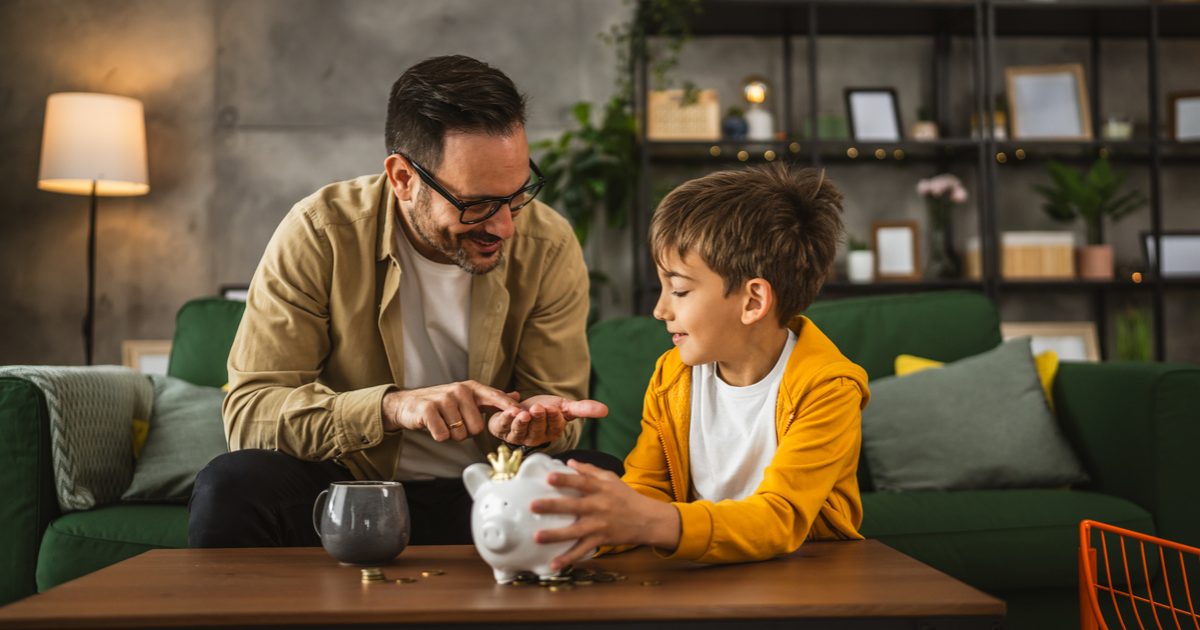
(608, 513)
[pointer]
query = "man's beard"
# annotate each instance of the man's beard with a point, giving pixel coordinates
(450, 246)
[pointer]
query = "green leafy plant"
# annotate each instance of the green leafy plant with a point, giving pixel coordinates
(1133, 335)
(1089, 196)
(594, 167)
(858, 245)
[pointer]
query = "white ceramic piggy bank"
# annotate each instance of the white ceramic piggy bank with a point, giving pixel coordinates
(501, 522)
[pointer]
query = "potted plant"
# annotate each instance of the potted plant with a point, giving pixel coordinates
(860, 262)
(1090, 196)
(942, 193)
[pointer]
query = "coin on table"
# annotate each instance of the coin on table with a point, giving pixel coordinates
(405, 580)
(604, 577)
(558, 588)
(372, 575)
(651, 582)
(432, 572)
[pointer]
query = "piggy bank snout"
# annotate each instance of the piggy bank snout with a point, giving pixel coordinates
(497, 535)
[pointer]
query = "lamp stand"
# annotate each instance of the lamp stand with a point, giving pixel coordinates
(89, 319)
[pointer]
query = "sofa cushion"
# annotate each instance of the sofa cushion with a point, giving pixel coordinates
(944, 326)
(186, 432)
(624, 351)
(27, 485)
(978, 423)
(204, 332)
(81, 542)
(996, 539)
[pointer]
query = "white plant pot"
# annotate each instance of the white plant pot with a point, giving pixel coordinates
(760, 125)
(860, 266)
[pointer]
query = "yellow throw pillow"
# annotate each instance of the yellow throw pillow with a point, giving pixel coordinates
(141, 429)
(1046, 362)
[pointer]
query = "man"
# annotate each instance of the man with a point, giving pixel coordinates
(403, 325)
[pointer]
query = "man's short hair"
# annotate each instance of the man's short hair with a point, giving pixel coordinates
(771, 222)
(450, 93)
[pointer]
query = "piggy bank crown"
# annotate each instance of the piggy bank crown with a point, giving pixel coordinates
(505, 463)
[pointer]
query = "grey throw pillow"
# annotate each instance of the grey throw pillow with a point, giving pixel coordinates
(978, 423)
(186, 432)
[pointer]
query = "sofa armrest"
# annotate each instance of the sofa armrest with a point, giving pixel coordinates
(1136, 427)
(26, 486)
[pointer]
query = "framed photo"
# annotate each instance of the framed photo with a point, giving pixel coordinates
(668, 119)
(148, 356)
(1183, 116)
(897, 250)
(1071, 341)
(873, 114)
(1048, 102)
(1181, 253)
(234, 291)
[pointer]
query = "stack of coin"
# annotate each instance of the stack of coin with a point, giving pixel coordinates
(567, 580)
(372, 575)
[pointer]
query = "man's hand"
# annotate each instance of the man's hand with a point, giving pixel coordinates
(450, 411)
(609, 512)
(541, 419)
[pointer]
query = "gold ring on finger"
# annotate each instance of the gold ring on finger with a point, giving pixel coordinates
(457, 424)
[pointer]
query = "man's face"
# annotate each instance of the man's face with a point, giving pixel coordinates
(474, 166)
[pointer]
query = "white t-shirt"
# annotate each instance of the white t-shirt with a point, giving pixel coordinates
(435, 305)
(732, 437)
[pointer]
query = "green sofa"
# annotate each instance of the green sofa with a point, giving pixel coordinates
(1133, 425)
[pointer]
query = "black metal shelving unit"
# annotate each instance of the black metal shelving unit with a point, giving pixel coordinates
(983, 22)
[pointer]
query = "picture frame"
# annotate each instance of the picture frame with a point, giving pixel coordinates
(897, 248)
(873, 114)
(148, 356)
(1071, 341)
(1181, 253)
(1183, 116)
(669, 120)
(1048, 102)
(236, 292)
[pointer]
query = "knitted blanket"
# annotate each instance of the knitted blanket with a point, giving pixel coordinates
(91, 412)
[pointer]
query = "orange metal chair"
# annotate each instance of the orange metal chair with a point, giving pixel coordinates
(1147, 593)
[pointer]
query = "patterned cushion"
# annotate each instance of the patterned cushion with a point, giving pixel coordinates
(91, 411)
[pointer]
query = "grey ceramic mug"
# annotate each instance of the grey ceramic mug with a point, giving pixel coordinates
(362, 522)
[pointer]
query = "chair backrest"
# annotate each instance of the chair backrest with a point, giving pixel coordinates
(871, 331)
(204, 331)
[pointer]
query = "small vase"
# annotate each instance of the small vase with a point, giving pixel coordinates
(943, 260)
(1096, 262)
(860, 266)
(733, 127)
(760, 124)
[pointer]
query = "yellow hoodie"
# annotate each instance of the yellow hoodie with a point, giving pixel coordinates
(809, 490)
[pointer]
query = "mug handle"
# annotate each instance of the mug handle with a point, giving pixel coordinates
(318, 507)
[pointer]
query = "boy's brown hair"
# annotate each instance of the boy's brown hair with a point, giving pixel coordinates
(771, 222)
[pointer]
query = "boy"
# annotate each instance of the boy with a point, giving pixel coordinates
(751, 425)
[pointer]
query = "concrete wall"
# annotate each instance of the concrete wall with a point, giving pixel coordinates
(251, 105)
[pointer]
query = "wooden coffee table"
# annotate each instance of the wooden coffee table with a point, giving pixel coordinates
(828, 585)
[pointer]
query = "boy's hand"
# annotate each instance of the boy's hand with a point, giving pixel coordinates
(608, 513)
(541, 419)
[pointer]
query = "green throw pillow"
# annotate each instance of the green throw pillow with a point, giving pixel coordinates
(975, 424)
(186, 432)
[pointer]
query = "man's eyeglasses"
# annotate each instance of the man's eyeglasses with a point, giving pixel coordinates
(473, 212)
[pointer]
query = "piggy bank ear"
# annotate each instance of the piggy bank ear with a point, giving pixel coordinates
(475, 476)
(535, 466)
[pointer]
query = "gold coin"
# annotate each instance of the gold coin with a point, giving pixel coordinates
(583, 582)
(651, 583)
(405, 580)
(621, 578)
(560, 587)
(432, 572)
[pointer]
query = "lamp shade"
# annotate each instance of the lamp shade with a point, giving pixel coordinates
(93, 137)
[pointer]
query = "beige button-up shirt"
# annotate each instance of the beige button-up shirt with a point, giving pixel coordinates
(320, 342)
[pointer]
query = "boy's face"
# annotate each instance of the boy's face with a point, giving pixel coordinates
(702, 320)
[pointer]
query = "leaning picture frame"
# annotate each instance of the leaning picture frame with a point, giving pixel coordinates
(1183, 116)
(1071, 341)
(873, 114)
(897, 250)
(1048, 102)
(1181, 253)
(148, 356)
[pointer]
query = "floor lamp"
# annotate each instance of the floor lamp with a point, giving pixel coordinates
(93, 144)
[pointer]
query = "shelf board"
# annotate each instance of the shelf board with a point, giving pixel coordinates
(842, 287)
(1014, 18)
(848, 151)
